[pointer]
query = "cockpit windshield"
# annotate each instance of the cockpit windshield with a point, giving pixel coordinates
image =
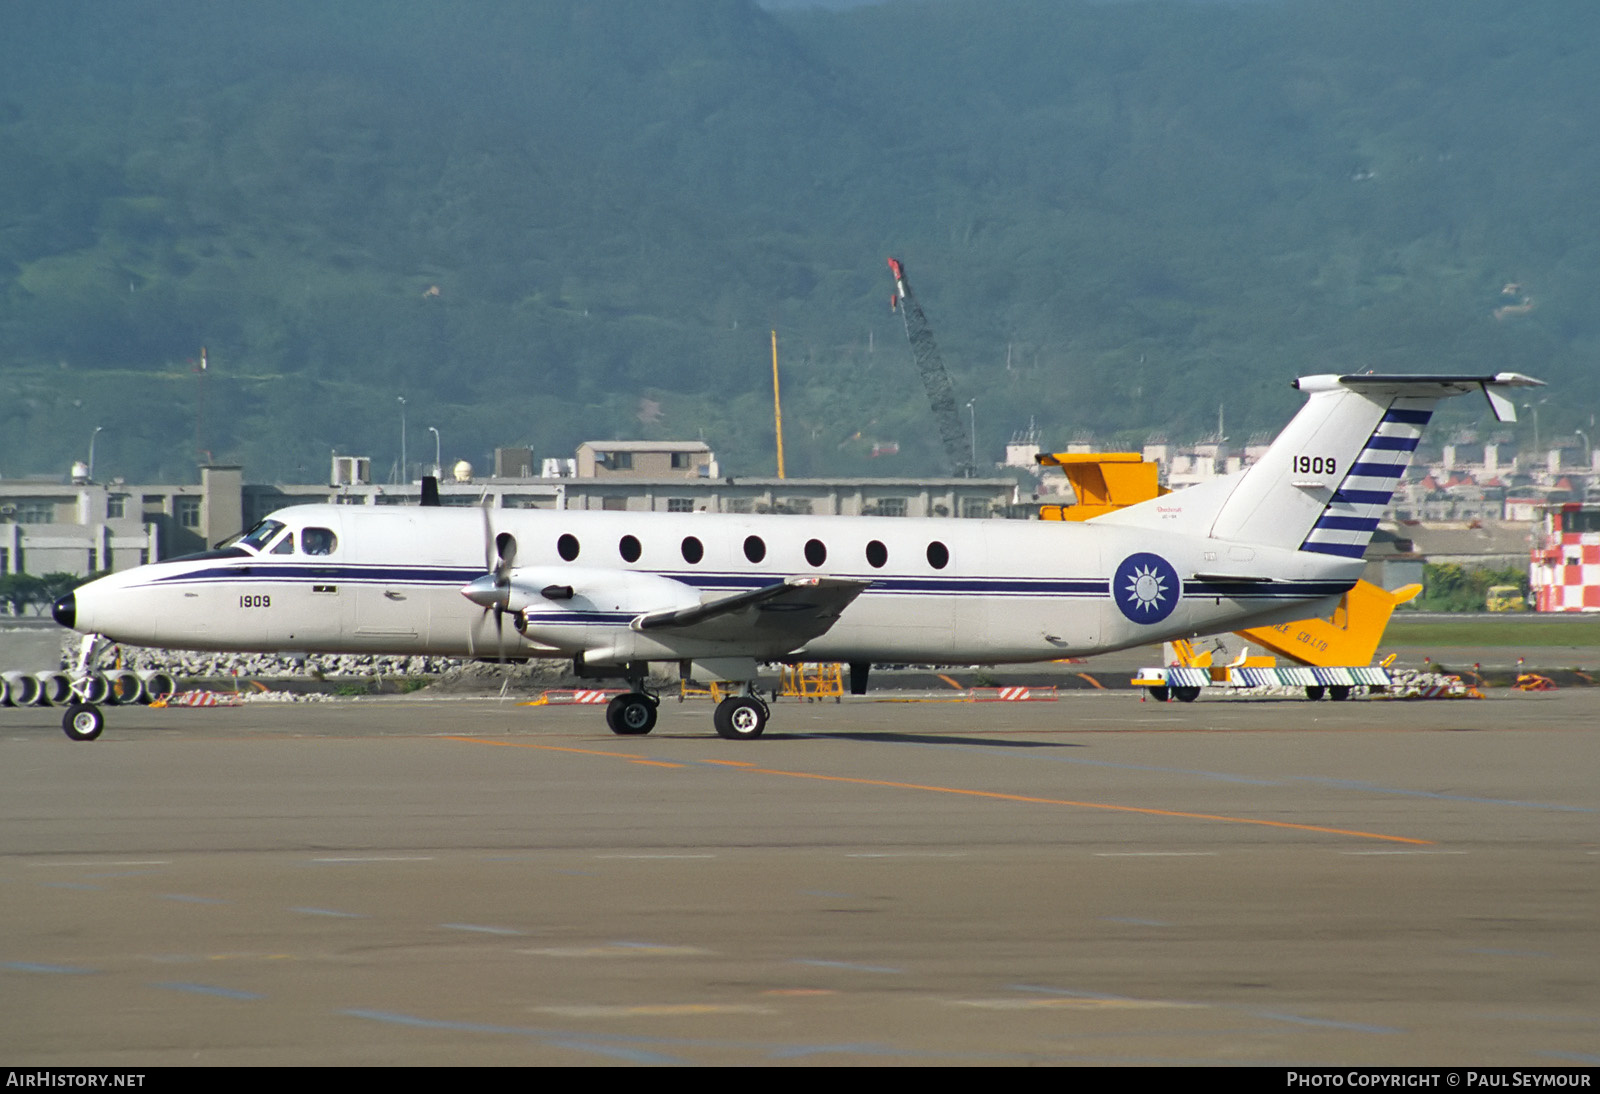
(259, 536)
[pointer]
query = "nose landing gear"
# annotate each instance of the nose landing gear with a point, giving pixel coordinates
(83, 720)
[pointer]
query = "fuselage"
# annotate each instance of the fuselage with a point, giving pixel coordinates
(342, 579)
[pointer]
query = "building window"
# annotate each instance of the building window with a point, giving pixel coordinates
(116, 506)
(739, 505)
(680, 505)
(187, 510)
(974, 508)
(891, 507)
(617, 461)
(682, 461)
(31, 511)
(614, 505)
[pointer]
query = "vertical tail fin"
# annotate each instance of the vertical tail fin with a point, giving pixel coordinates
(1347, 521)
(1326, 479)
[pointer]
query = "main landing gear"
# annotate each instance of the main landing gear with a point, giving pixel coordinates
(740, 717)
(632, 714)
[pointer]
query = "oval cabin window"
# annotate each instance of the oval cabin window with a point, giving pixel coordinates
(693, 550)
(629, 549)
(754, 549)
(877, 555)
(567, 546)
(938, 555)
(816, 553)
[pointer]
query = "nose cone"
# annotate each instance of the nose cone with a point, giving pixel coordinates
(486, 592)
(65, 610)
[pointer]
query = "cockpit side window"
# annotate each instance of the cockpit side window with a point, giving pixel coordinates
(261, 535)
(284, 546)
(318, 541)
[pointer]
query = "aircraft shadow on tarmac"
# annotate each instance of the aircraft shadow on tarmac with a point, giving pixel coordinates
(926, 739)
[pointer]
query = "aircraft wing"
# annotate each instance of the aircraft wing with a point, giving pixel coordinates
(789, 612)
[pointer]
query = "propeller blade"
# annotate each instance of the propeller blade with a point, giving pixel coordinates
(505, 546)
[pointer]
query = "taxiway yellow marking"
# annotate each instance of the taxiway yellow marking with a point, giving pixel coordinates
(992, 795)
(799, 991)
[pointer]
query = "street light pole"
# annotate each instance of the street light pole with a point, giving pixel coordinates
(1588, 453)
(404, 478)
(438, 463)
(92, 436)
(972, 419)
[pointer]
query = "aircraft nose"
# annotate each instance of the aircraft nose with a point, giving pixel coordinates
(486, 593)
(65, 610)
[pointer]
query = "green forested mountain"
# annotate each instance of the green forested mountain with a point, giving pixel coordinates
(541, 221)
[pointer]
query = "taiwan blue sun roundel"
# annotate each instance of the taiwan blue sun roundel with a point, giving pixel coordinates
(1145, 588)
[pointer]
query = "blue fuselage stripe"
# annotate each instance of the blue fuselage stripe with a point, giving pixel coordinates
(451, 578)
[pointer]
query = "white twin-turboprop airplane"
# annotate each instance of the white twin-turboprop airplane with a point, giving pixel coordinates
(615, 591)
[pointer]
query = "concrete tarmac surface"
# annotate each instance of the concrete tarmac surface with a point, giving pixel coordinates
(1099, 880)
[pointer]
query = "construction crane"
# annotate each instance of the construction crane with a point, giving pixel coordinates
(957, 445)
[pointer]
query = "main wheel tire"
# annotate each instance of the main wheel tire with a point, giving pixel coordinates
(1338, 692)
(1314, 692)
(1186, 695)
(1160, 694)
(82, 722)
(631, 715)
(740, 718)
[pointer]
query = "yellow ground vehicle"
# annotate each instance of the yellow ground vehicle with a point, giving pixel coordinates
(1505, 598)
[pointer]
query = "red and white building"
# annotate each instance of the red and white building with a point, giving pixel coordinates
(1564, 572)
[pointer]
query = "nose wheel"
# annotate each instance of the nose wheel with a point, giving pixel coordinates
(82, 722)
